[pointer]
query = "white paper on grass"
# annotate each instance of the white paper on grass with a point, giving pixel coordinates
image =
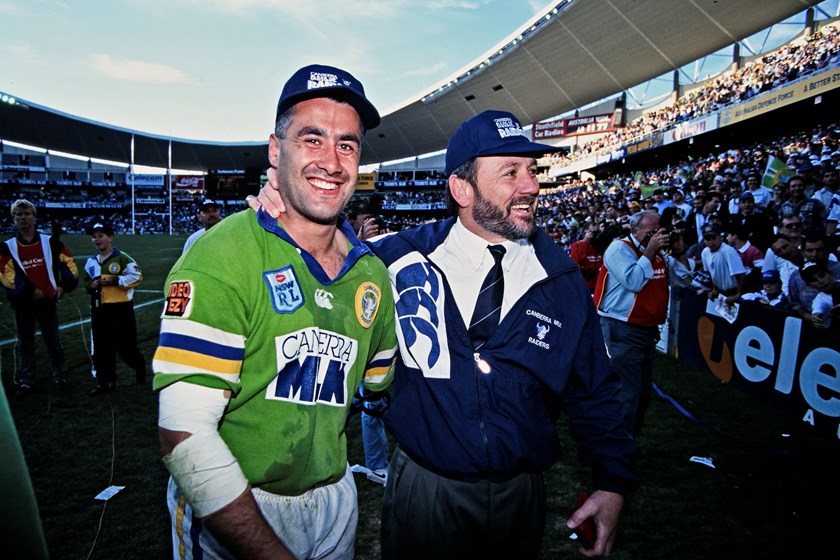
(108, 493)
(703, 461)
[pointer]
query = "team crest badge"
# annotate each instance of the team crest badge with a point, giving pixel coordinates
(114, 268)
(368, 297)
(284, 289)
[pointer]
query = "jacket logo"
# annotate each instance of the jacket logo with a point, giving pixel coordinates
(179, 300)
(542, 330)
(421, 315)
(284, 289)
(114, 268)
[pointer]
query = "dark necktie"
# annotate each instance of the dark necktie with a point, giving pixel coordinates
(488, 306)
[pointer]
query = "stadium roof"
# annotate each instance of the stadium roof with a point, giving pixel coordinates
(586, 51)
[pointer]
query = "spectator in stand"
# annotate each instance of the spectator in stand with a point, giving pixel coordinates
(761, 194)
(770, 293)
(36, 270)
(808, 174)
(757, 225)
(361, 212)
(678, 200)
(723, 263)
(716, 206)
(785, 256)
(660, 202)
(800, 293)
(751, 257)
(696, 219)
(810, 211)
(586, 256)
(632, 296)
(791, 226)
(208, 215)
(828, 185)
(826, 305)
(780, 196)
(731, 191)
(831, 230)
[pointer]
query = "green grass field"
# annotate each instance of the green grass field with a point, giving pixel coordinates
(763, 499)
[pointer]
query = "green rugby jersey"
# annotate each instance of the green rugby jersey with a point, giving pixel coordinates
(246, 310)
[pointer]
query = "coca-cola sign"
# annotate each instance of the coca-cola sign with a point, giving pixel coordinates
(191, 182)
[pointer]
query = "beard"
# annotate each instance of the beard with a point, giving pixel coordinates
(496, 219)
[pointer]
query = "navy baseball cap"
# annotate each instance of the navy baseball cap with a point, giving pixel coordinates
(207, 202)
(771, 276)
(104, 228)
(491, 133)
(810, 269)
(318, 80)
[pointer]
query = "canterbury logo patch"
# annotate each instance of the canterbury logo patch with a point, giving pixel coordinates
(179, 300)
(322, 299)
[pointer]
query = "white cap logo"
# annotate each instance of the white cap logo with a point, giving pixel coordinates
(319, 80)
(508, 127)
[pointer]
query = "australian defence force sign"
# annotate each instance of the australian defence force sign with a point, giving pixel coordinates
(771, 353)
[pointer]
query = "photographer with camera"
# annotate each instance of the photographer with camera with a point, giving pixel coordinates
(632, 297)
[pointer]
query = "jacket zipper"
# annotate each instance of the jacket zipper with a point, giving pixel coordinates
(482, 368)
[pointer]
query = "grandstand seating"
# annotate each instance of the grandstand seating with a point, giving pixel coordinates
(75, 191)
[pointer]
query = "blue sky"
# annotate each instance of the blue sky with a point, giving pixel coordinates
(213, 69)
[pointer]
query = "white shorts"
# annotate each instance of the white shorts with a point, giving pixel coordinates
(319, 524)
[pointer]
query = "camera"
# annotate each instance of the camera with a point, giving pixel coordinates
(675, 231)
(382, 223)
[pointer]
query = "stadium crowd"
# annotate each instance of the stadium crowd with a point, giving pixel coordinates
(722, 189)
(75, 208)
(769, 71)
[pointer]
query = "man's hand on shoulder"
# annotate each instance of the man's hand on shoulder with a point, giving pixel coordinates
(269, 196)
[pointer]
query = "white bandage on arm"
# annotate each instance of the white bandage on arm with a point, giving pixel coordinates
(202, 465)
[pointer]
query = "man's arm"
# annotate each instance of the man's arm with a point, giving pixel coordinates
(739, 279)
(208, 474)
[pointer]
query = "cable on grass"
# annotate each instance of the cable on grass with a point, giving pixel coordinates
(110, 479)
(14, 356)
(682, 410)
(88, 347)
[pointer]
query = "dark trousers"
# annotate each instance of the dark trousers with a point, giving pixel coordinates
(42, 312)
(425, 515)
(632, 350)
(114, 332)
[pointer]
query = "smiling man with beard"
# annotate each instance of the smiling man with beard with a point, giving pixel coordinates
(474, 409)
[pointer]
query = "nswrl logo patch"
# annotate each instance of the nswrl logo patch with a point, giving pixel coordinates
(284, 289)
